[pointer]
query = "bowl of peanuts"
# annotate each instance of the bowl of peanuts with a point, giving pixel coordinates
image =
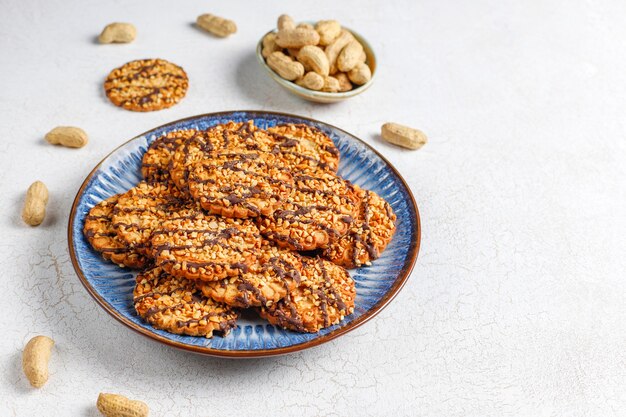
(321, 62)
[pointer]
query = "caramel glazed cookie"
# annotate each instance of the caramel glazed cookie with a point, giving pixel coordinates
(303, 146)
(146, 85)
(296, 146)
(240, 184)
(101, 234)
(143, 209)
(324, 297)
(155, 161)
(369, 235)
(206, 144)
(268, 280)
(206, 247)
(318, 211)
(177, 306)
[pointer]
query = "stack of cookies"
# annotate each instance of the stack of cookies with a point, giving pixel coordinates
(237, 217)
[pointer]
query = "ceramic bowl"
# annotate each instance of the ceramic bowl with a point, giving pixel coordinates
(321, 96)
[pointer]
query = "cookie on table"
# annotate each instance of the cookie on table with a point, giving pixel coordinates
(229, 136)
(177, 306)
(206, 247)
(371, 232)
(156, 160)
(276, 272)
(317, 212)
(99, 231)
(146, 85)
(324, 297)
(304, 146)
(241, 185)
(142, 210)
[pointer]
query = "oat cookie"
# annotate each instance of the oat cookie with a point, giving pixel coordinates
(146, 85)
(300, 145)
(177, 306)
(142, 210)
(371, 232)
(230, 136)
(318, 211)
(235, 184)
(156, 160)
(99, 231)
(324, 297)
(206, 248)
(276, 272)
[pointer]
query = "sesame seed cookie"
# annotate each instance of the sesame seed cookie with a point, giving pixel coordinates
(239, 184)
(276, 272)
(142, 209)
(156, 160)
(300, 145)
(99, 231)
(324, 297)
(207, 247)
(371, 232)
(177, 306)
(318, 211)
(146, 85)
(219, 138)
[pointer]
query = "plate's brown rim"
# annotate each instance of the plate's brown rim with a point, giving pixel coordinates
(407, 268)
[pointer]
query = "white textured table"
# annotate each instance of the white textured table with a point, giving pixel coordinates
(516, 305)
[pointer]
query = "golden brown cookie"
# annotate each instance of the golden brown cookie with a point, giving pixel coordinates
(100, 233)
(324, 297)
(146, 85)
(156, 160)
(300, 145)
(207, 247)
(317, 212)
(141, 210)
(241, 185)
(369, 235)
(231, 136)
(177, 306)
(276, 272)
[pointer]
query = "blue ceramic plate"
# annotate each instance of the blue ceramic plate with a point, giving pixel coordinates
(112, 287)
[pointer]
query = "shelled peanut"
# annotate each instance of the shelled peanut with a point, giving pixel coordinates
(321, 57)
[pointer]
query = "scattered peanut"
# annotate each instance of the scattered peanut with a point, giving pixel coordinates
(269, 45)
(118, 33)
(349, 56)
(114, 405)
(331, 84)
(35, 360)
(312, 81)
(323, 50)
(314, 59)
(35, 204)
(333, 50)
(71, 137)
(344, 81)
(285, 22)
(285, 66)
(328, 30)
(216, 25)
(297, 38)
(403, 135)
(360, 74)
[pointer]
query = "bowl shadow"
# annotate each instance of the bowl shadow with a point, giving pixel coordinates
(258, 87)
